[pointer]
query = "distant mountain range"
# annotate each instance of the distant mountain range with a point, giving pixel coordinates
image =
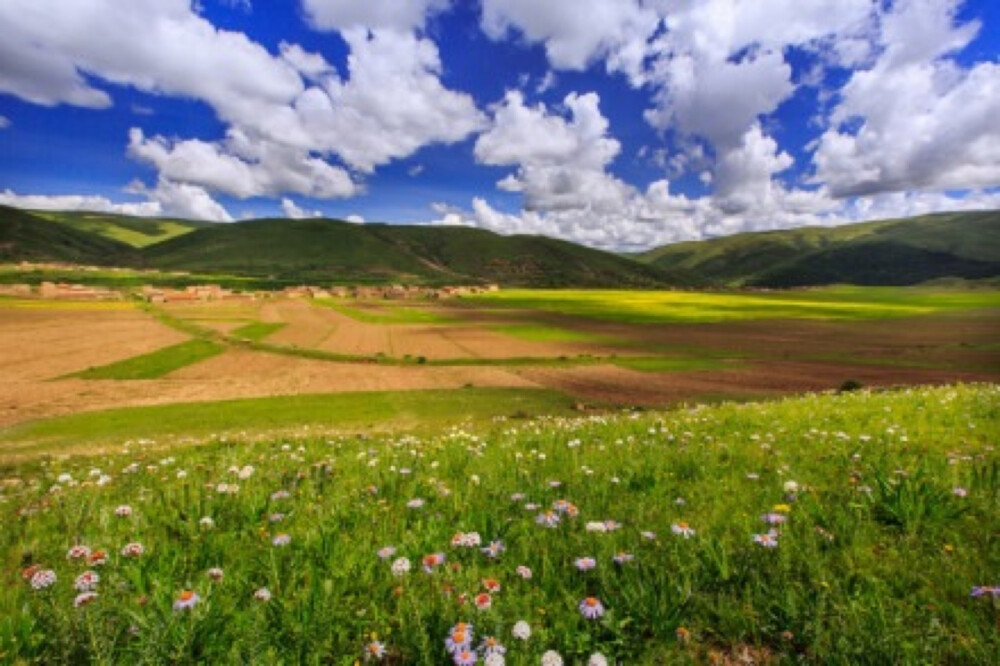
(891, 252)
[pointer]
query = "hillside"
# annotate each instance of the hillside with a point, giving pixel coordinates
(26, 237)
(137, 232)
(887, 252)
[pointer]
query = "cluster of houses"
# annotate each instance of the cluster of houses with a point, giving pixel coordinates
(390, 292)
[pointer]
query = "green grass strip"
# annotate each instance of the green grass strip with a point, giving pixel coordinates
(155, 364)
(343, 412)
(386, 315)
(258, 330)
(667, 364)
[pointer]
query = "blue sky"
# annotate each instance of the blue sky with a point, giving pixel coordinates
(622, 124)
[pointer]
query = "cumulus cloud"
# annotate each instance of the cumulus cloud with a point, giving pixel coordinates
(613, 29)
(916, 118)
(241, 166)
(182, 200)
(294, 212)
(79, 202)
(401, 15)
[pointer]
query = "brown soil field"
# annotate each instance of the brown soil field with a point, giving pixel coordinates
(39, 345)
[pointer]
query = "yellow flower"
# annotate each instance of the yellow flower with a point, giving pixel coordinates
(782, 508)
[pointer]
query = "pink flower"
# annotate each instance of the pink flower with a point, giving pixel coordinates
(591, 608)
(584, 563)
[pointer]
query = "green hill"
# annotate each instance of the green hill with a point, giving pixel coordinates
(26, 237)
(328, 250)
(887, 252)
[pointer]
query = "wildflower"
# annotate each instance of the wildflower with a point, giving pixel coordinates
(187, 600)
(374, 651)
(524, 572)
(459, 638)
(400, 567)
(680, 501)
(84, 598)
(28, 572)
(651, 536)
(492, 585)
(791, 487)
(484, 601)
(262, 594)
(280, 495)
(960, 492)
(753, 476)
(215, 574)
(521, 630)
(78, 553)
(206, 523)
(561, 505)
(276, 517)
(494, 659)
(552, 658)
(491, 645)
(548, 519)
(584, 563)
(516, 497)
(433, 560)
(86, 581)
(611, 525)
(133, 549)
(494, 549)
(682, 529)
(98, 558)
(415, 503)
(782, 508)
(43, 579)
(623, 558)
(683, 635)
(591, 608)
(466, 540)
(123, 511)
(386, 552)
(597, 659)
(465, 657)
(596, 526)
(774, 518)
(767, 540)
(281, 540)
(983, 590)
(246, 473)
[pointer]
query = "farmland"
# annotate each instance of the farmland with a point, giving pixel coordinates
(600, 349)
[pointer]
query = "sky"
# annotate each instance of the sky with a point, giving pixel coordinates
(619, 124)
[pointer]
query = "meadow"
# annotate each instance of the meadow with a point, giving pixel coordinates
(850, 528)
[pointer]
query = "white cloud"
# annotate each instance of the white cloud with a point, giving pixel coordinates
(294, 212)
(402, 15)
(4, 122)
(79, 202)
(187, 201)
(392, 105)
(242, 167)
(354, 219)
(915, 119)
(591, 29)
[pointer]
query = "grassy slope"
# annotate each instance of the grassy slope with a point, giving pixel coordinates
(886, 252)
(25, 237)
(341, 412)
(156, 364)
(137, 232)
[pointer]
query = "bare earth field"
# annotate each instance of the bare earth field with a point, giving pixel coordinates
(41, 344)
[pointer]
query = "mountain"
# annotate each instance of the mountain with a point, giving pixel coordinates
(26, 237)
(888, 252)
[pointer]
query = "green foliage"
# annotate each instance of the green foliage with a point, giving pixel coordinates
(156, 364)
(860, 573)
(385, 314)
(137, 232)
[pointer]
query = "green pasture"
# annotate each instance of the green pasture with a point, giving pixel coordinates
(156, 364)
(309, 546)
(546, 333)
(384, 314)
(351, 412)
(257, 330)
(655, 307)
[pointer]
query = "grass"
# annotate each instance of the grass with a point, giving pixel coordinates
(364, 412)
(257, 330)
(545, 333)
(155, 364)
(14, 303)
(659, 307)
(384, 314)
(668, 364)
(884, 507)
